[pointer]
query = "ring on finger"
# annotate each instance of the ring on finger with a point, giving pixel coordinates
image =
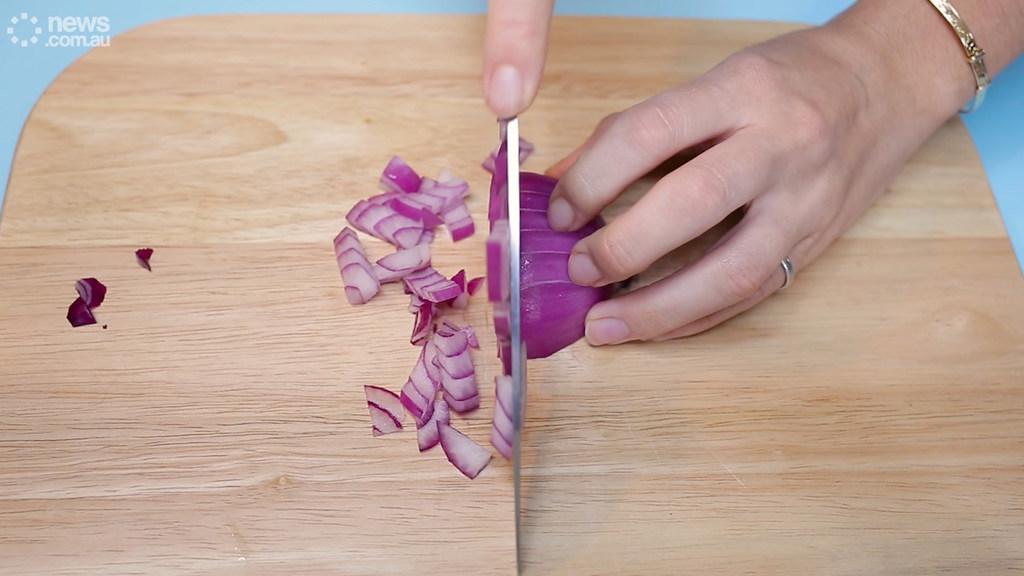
(789, 271)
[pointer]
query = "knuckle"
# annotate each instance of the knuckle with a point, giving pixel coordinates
(741, 276)
(810, 124)
(751, 70)
(577, 188)
(709, 189)
(613, 256)
(648, 126)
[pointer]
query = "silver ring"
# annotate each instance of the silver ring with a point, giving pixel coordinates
(787, 267)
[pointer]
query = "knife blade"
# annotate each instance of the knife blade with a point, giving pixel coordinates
(518, 346)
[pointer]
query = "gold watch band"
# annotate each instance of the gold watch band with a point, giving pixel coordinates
(975, 55)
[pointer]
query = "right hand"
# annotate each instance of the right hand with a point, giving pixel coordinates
(515, 46)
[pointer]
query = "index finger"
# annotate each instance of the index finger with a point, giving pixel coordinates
(515, 45)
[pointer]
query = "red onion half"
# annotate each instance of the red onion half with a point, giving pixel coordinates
(553, 308)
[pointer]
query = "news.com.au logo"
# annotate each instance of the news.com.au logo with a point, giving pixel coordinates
(26, 30)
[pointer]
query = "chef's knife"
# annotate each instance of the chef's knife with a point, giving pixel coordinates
(518, 347)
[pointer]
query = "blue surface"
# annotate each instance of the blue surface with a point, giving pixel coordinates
(25, 72)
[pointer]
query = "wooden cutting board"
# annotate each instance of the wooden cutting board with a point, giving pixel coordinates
(868, 421)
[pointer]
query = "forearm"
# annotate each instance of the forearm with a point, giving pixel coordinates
(907, 46)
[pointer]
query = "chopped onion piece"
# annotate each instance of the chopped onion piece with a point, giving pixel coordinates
(465, 454)
(473, 285)
(462, 406)
(386, 400)
(91, 291)
(401, 263)
(383, 421)
(399, 177)
(423, 325)
(459, 221)
(79, 314)
(427, 436)
(357, 274)
(500, 444)
(142, 256)
(431, 285)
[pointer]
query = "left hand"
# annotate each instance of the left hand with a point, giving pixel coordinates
(809, 130)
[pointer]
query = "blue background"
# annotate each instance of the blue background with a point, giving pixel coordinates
(997, 128)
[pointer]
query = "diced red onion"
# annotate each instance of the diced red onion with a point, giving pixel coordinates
(401, 263)
(465, 454)
(423, 325)
(459, 221)
(431, 285)
(383, 421)
(357, 274)
(421, 408)
(427, 436)
(79, 314)
(451, 343)
(399, 177)
(501, 445)
(473, 285)
(142, 256)
(462, 406)
(385, 400)
(451, 192)
(91, 291)
(409, 207)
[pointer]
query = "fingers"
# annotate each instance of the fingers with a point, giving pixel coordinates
(681, 206)
(515, 46)
(736, 272)
(636, 141)
(770, 287)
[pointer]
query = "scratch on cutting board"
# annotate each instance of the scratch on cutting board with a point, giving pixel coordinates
(727, 469)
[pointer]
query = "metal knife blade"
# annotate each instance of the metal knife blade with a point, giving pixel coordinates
(518, 346)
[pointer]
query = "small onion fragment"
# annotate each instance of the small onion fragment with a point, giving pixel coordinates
(401, 263)
(465, 454)
(473, 285)
(142, 256)
(399, 177)
(423, 324)
(431, 285)
(427, 436)
(385, 400)
(91, 291)
(459, 221)
(79, 314)
(383, 421)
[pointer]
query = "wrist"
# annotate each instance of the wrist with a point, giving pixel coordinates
(907, 54)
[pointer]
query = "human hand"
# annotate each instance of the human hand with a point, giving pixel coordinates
(515, 46)
(808, 130)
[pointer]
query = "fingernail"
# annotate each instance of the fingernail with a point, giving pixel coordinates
(560, 214)
(505, 93)
(606, 331)
(582, 269)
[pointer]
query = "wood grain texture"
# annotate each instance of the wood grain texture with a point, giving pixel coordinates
(870, 420)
